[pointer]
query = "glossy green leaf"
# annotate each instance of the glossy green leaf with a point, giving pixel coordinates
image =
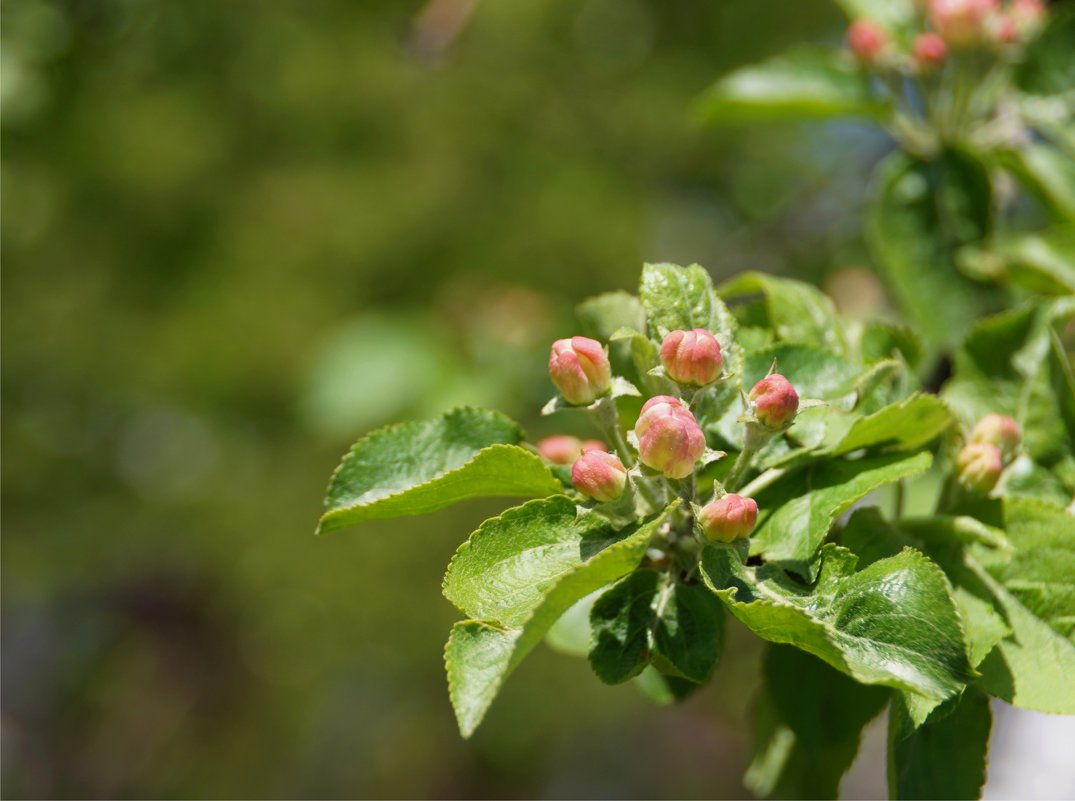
(907, 425)
(921, 213)
(416, 468)
(807, 82)
(620, 623)
(815, 372)
(682, 298)
(808, 723)
(688, 633)
(480, 653)
(797, 312)
(797, 512)
(893, 623)
(946, 756)
(503, 571)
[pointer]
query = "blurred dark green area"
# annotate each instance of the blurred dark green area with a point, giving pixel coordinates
(238, 235)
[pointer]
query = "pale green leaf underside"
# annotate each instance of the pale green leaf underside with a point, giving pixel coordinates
(481, 654)
(416, 468)
(805, 504)
(893, 623)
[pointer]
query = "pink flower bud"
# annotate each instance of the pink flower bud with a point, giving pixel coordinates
(998, 430)
(962, 23)
(867, 40)
(1003, 30)
(1027, 16)
(692, 357)
(655, 407)
(580, 370)
(565, 449)
(774, 401)
(600, 475)
(669, 438)
(593, 445)
(929, 51)
(729, 518)
(978, 467)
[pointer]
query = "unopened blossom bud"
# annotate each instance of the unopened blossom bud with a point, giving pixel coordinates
(962, 23)
(1003, 30)
(669, 438)
(978, 467)
(999, 430)
(692, 357)
(1027, 16)
(867, 40)
(774, 401)
(729, 518)
(929, 51)
(565, 449)
(655, 407)
(600, 475)
(580, 370)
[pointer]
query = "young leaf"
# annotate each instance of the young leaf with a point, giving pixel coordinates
(800, 509)
(480, 654)
(905, 426)
(798, 313)
(688, 635)
(503, 570)
(682, 298)
(946, 756)
(809, 719)
(806, 82)
(620, 622)
(893, 623)
(416, 468)
(921, 212)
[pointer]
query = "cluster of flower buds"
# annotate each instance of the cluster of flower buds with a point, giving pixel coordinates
(947, 26)
(993, 443)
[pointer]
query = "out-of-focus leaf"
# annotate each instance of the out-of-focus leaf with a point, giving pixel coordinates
(1048, 67)
(808, 722)
(806, 82)
(893, 14)
(1042, 262)
(946, 756)
(663, 689)
(1048, 173)
(892, 623)
(416, 468)
(921, 214)
(480, 654)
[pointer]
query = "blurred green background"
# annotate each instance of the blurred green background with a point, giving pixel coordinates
(237, 235)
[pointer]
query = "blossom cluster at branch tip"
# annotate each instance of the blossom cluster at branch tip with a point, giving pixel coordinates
(692, 357)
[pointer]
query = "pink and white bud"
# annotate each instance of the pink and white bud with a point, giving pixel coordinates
(929, 51)
(560, 449)
(729, 518)
(593, 445)
(600, 475)
(998, 430)
(962, 23)
(669, 438)
(774, 401)
(867, 40)
(978, 467)
(655, 407)
(1003, 30)
(579, 368)
(692, 357)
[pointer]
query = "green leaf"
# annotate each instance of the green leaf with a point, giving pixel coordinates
(946, 756)
(416, 468)
(806, 82)
(504, 569)
(602, 315)
(798, 312)
(892, 14)
(682, 298)
(1041, 262)
(809, 719)
(571, 633)
(905, 426)
(921, 214)
(882, 339)
(663, 689)
(1048, 173)
(620, 622)
(798, 511)
(688, 634)
(892, 623)
(480, 654)
(815, 372)
(1048, 67)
